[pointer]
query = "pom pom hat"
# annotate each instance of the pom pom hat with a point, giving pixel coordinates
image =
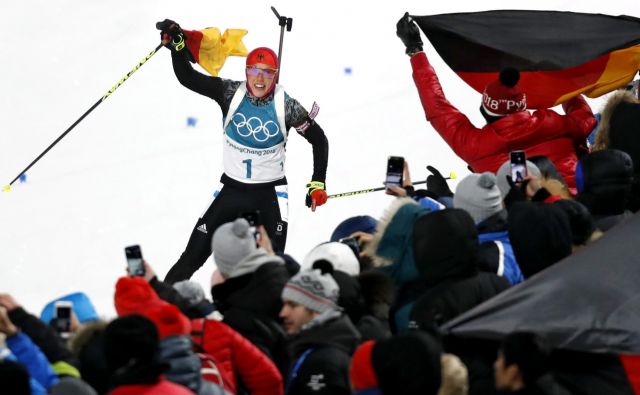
(503, 96)
(479, 195)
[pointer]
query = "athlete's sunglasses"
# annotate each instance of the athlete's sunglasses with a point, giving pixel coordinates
(267, 73)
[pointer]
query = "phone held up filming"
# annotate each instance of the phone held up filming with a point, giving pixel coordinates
(62, 317)
(135, 264)
(518, 166)
(395, 169)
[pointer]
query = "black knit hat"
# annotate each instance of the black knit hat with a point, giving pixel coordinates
(130, 340)
(540, 235)
(408, 364)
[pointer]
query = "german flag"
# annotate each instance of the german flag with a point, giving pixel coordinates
(210, 49)
(559, 54)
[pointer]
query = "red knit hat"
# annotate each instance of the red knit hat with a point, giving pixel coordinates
(502, 96)
(132, 294)
(263, 55)
(361, 371)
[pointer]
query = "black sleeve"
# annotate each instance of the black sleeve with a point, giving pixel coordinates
(315, 135)
(209, 86)
(44, 336)
(169, 294)
(297, 116)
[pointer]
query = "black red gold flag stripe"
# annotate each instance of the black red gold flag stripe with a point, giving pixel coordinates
(559, 54)
(210, 48)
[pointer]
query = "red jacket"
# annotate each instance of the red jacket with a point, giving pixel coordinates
(162, 387)
(237, 357)
(543, 132)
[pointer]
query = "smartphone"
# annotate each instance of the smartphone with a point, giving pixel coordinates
(135, 265)
(395, 168)
(253, 218)
(518, 166)
(62, 317)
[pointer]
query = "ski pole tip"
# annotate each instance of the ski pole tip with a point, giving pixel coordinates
(7, 188)
(453, 175)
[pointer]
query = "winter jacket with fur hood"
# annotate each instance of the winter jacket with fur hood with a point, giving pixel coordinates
(392, 252)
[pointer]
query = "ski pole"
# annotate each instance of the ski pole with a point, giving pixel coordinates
(363, 191)
(7, 187)
(282, 21)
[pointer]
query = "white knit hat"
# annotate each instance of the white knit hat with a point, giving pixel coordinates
(314, 290)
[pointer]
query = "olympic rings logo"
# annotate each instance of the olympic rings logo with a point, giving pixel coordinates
(253, 126)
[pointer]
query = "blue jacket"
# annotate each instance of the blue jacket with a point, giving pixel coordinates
(28, 354)
(496, 254)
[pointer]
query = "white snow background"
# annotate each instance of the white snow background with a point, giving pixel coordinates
(133, 172)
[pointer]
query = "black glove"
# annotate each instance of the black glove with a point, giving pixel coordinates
(409, 33)
(437, 184)
(172, 32)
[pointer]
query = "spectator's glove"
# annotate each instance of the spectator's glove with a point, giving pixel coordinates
(437, 184)
(409, 33)
(316, 195)
(172, 35)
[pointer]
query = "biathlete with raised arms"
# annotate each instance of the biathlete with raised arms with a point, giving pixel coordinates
(257, 115)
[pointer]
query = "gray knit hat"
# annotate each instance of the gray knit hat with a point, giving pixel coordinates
(478, 195)
(231, 243)
(190, 290)
(505, 170)
(314, 290)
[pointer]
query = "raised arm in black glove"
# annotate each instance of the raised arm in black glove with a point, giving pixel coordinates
(437, 184)
(409, 33)
(173, 37)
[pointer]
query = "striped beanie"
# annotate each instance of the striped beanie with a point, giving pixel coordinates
(314, 290)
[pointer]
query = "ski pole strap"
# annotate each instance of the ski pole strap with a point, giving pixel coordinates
(296, 367)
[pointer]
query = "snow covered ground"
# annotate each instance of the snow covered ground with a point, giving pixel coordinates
(133, 172)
